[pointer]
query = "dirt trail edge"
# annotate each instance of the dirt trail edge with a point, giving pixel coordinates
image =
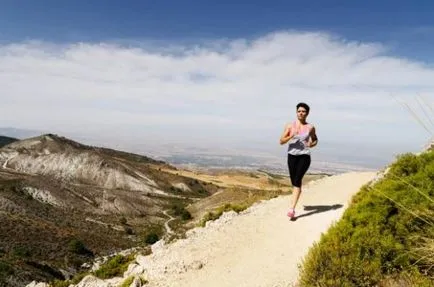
(258, 247)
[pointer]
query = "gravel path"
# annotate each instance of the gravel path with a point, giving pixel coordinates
(260, 246)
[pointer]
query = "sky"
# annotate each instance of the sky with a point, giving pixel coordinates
(221, 73)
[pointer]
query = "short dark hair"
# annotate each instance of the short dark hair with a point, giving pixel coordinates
(303, 105)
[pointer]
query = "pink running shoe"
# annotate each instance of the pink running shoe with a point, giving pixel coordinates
(291, 213)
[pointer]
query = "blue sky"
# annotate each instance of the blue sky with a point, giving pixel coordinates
(101, 20)
(406, 27)
(221, 71)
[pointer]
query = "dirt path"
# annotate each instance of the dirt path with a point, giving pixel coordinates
(259, 247)
(166, 224)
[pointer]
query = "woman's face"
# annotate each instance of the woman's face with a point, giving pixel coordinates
(301, 113)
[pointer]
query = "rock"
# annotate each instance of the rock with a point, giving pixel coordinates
(196, 265)
(86, 265)
(182, 186)
(134, 269)
(35, 284)
(143, 261)
(158, 246)
(92, 281)
(114, 282)
(43, 196)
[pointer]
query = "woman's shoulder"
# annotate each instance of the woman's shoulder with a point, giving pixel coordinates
(311, 125)
(290, 124)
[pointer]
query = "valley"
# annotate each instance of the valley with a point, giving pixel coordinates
(64, 204)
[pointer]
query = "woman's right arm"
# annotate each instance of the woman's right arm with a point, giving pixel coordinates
(286, 135)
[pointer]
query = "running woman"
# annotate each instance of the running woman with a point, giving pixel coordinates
(301, 136)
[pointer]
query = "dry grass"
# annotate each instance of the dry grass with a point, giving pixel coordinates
(238, 193)
(424, 246)
(229, 178)
(426, 252)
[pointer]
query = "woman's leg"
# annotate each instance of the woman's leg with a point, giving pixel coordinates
(292, 167)
(303, 164)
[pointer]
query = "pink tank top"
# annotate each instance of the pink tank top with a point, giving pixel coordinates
(297, 145)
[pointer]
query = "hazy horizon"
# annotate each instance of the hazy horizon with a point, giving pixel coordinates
(326, 157)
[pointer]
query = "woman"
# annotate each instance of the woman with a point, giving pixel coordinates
(301, 137)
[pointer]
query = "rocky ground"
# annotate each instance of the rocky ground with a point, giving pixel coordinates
(258, 247)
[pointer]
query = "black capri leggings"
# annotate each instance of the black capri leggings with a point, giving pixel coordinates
(298, 166)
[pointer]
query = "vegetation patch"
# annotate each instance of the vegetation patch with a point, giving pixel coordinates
(127, 282)
(385, 235)
(116, 266)
(180, 211)
(213, 215)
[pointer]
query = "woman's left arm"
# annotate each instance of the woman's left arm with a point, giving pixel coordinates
(313, 138)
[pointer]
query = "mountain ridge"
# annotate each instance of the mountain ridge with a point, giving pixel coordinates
(55, 192)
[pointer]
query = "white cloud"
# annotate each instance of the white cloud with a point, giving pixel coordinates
(240, 89)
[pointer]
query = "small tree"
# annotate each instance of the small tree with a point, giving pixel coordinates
(78, 247)
(151, 238)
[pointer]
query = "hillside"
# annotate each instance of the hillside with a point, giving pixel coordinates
(63, 203)
(355, 229)
(386, 237)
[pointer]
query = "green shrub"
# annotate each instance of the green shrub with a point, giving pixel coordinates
(186, 215)
(5, 269)
(213, 215)
(21, 251)
(180, 210)
(377, 234)
(127, 282)
(77, 247)
(151, 238)
(116, 266)
(78, 277)
(60, 283)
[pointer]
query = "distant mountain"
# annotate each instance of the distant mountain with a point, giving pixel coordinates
(4, 140)
(63, 203)
(19, 133)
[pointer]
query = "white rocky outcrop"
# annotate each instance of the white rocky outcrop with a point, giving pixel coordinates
(84, 166)
(36, 284)
(182, 186)
(41, 195)
(92, 281)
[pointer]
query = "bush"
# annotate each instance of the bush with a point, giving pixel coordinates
(5, 269)
(60, 283)
(185, 215)
(78, 247)
(151, 238)
(219, 211)
(129, 230)
(66, 283)
(127, 282)
(116, 266)
(21, 251)
(179, 210)
(377, 233)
